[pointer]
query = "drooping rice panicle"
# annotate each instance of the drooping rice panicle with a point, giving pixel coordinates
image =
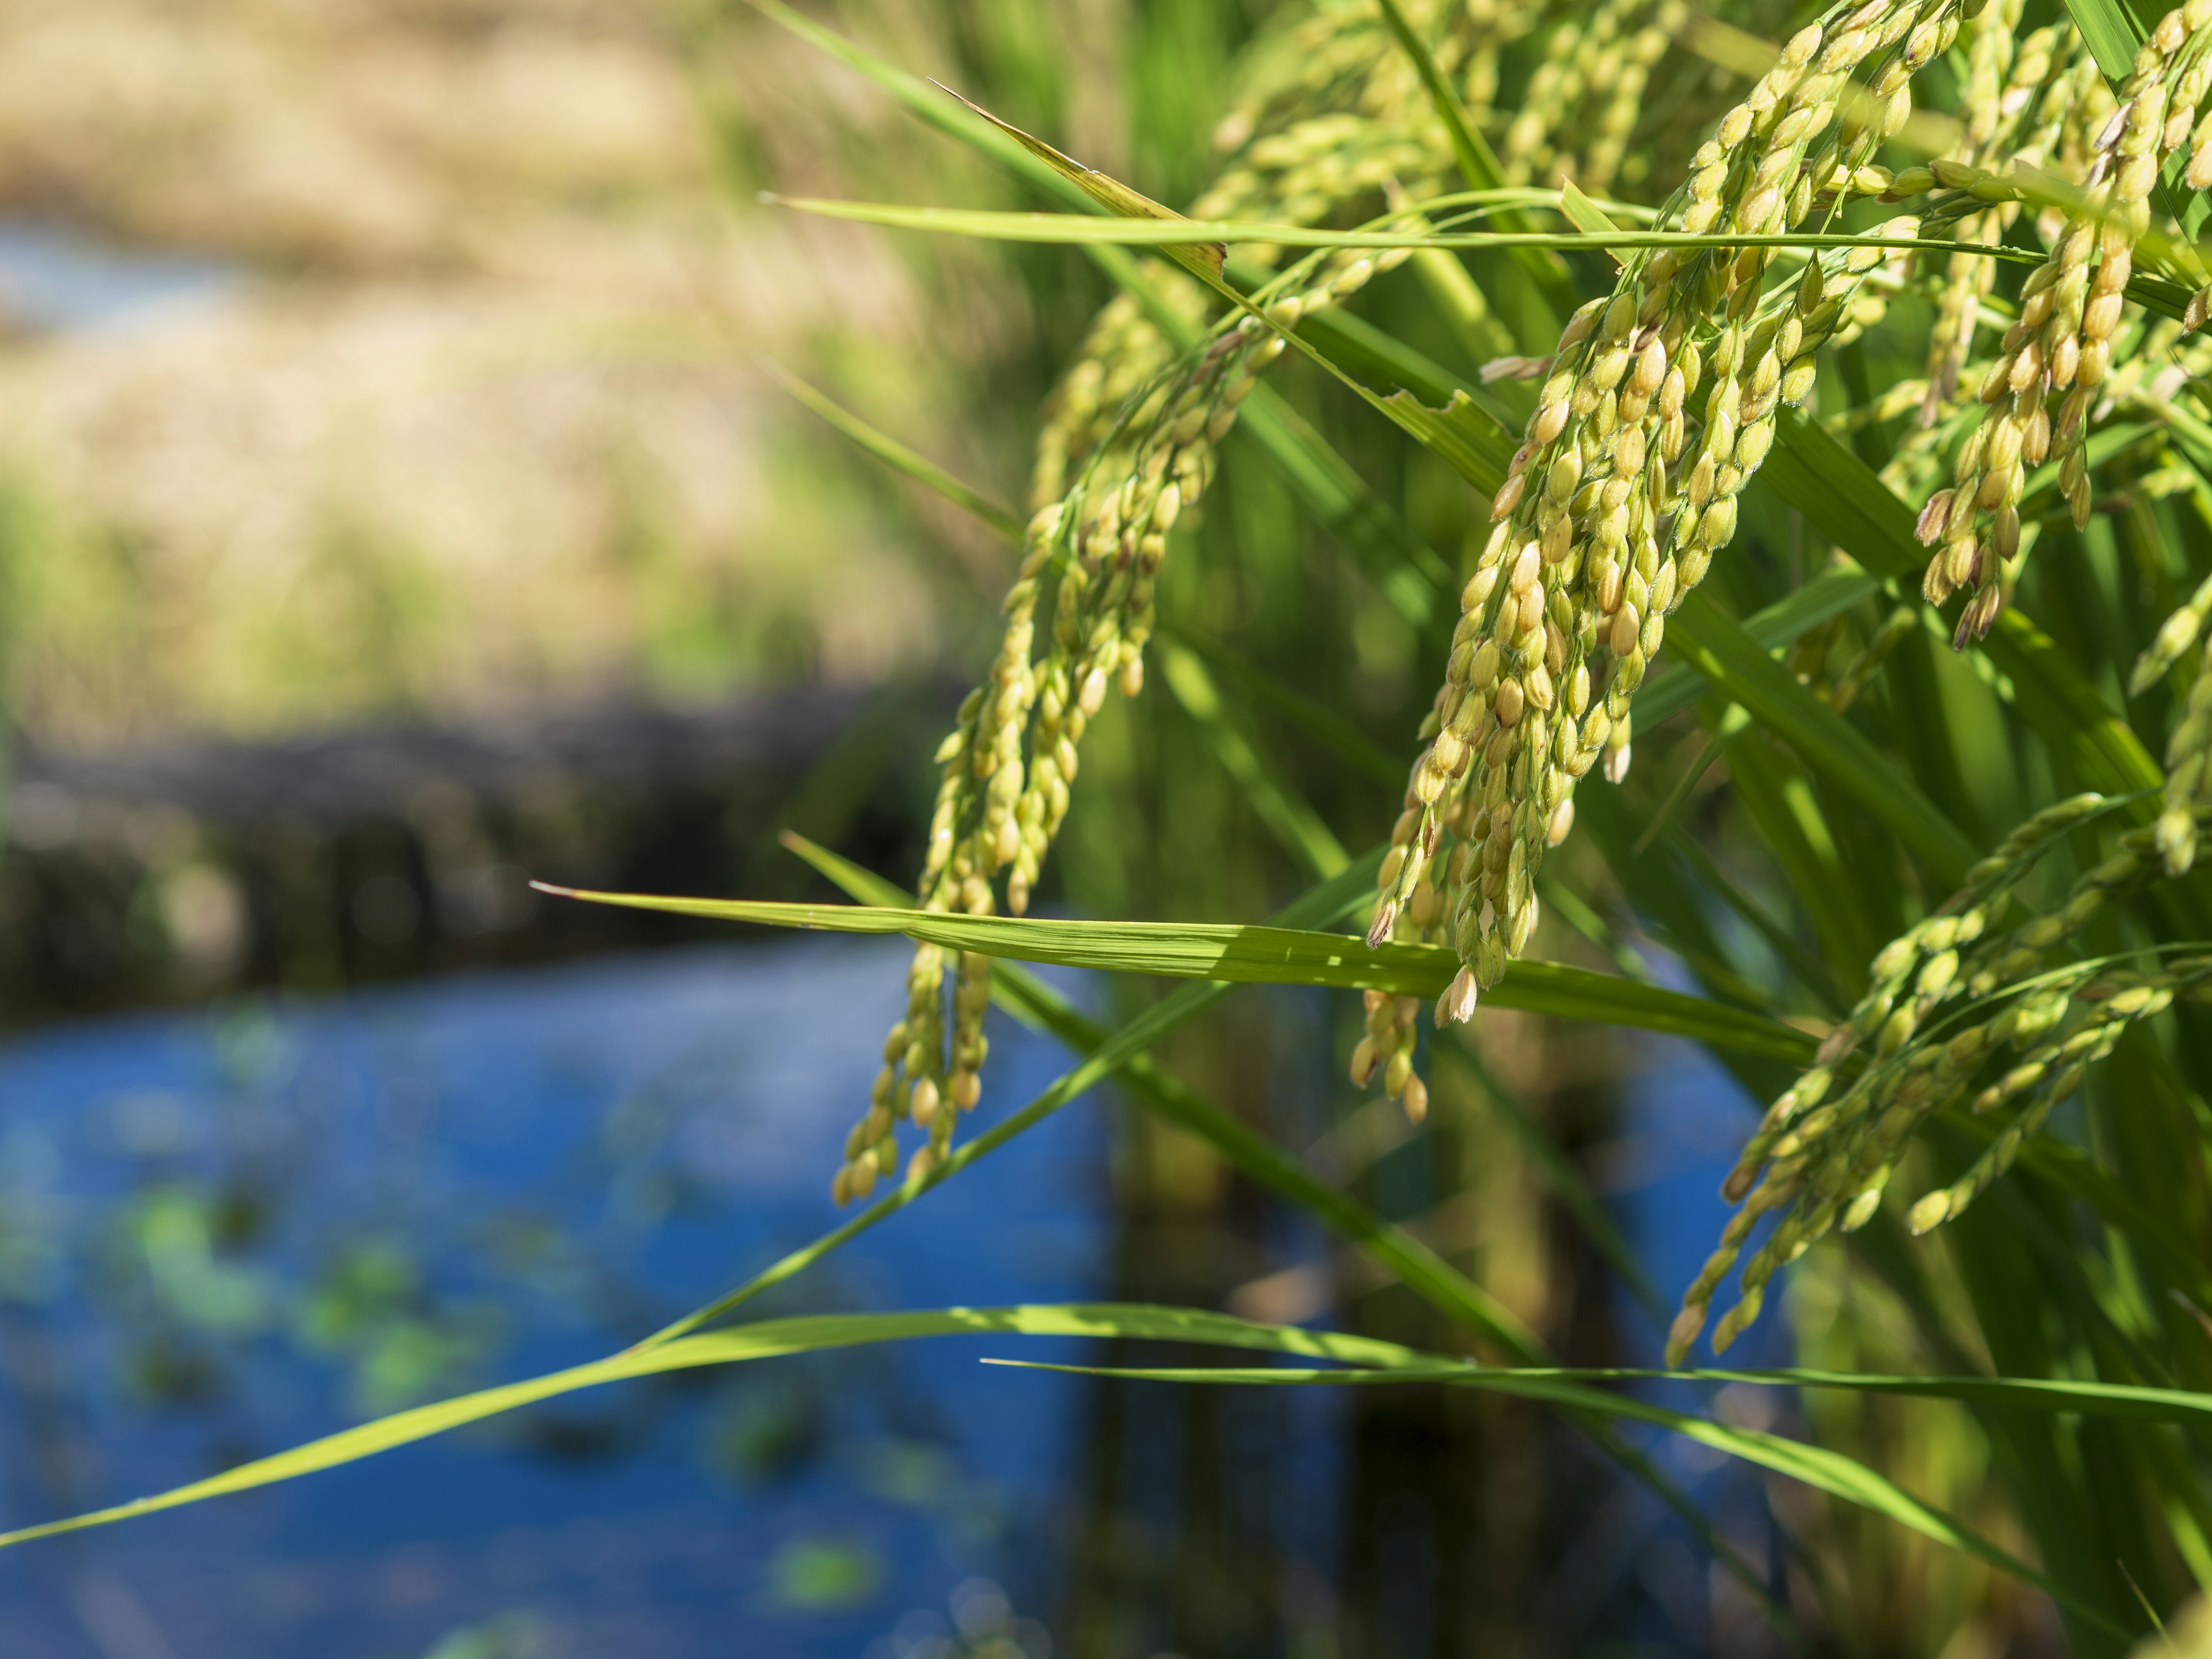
(1660, 403)
(2008, 92)
(1339, 118)
(1607, 520)
(1957, 1010)
(2071, 308)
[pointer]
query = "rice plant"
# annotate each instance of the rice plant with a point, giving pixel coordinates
(1834, 382)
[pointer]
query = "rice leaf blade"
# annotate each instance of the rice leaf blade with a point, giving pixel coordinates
(1726, 655)
(892, 453)
(1203, 259)
(1260, 954)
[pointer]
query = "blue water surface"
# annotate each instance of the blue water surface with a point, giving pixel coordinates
(222, 1233)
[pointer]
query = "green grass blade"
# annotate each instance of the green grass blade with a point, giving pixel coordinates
(1030, 999)
(1711, 641)
(1462, 432)
(1317, 720)
(1711, 744)
(1372, 1361)
(1319, 906)
(2064, 1396)
(1804, 966)
(770, 1339)
(1822, 599)
(1260, 954)
(1076, 229)
(953, 118)
(1357, 345)
(1203, 260)
(1293, 824)
(891, 451)
(1409, 574)
(1780, 801)
(1811, 471)
(2110, 34)
(1414, 1264)
(1478, 163)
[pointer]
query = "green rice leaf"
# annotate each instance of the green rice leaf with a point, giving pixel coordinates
(890, 450)
(1319, 721)
(1465, 434)
(1204, 260)
(2083, 1397)
(1478, 163)
(1813, 472)
(1582, 213)
(1260, 954)
(1357, 343)
(1294, 824)
(1075, 229)
(2110, 34)
(1826, 596)
(956, 119)
(1711, 643)
(1369, 1361)
(1329, 901)
(1037, 1005)
(770, 1339)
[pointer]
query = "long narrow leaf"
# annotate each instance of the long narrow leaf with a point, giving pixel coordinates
(1477, 164)
(1711, 643)
(891, 452)
(1038, 1005)
(1418, 1266)
(1295, 825)
(1836, 490)
(1260, 954)
(990, 224)
(1826, 596)
(770, 1339)
(1319, 906)
(1317, 720)
(1369, 1361)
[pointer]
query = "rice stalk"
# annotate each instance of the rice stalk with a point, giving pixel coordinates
(1127, 446)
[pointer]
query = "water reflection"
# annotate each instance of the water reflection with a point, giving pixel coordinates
(222, 1234)
(225, 1232)
(57, 279)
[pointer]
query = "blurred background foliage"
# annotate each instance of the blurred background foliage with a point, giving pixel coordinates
(426, 385)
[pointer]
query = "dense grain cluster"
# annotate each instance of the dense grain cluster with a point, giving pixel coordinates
(1614, 509)
(1336, 117)
(2017, 98)
(2060, 347)
(1958, 1011)
(1657, 406)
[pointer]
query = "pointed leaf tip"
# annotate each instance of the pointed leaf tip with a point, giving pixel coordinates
(1206, 259)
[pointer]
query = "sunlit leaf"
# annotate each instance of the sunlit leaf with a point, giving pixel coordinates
(1260, 954)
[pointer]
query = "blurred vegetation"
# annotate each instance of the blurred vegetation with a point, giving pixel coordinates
(457, 409)
(1750, 854)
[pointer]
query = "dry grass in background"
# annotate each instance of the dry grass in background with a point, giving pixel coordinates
(477, 422)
